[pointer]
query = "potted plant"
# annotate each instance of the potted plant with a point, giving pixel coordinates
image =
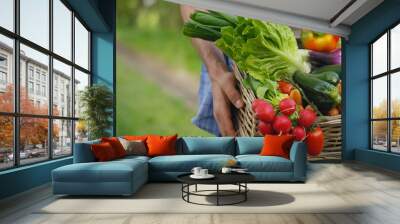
(97, 103)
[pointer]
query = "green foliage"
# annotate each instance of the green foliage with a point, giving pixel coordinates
(143, 108)
(151, 14)
(97, 104)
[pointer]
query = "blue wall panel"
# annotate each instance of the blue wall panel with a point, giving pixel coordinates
(356, 85)
(24, 178)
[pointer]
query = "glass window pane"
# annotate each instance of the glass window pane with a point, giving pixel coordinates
(395, 47)
(395, 94)
(81, 131)
(379, 56)
(62, 138)
(81, 82)
(6, 142)
(7, 14)
(34, 96)
(81, 45)
(62, 29)
(395, 135)
(62, 89)
(6, 74)
(379, 135)
(379, 97)
(35, 21)
(33, 140)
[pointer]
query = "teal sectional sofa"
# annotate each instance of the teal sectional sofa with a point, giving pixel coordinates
(125, 176)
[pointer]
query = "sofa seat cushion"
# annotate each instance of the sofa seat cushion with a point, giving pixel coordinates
(257, 163)
(185, 163)
(113, 171)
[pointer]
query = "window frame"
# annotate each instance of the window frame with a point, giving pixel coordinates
(16, 114)
(388, 74)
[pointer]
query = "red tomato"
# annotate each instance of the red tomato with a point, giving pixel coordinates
(315, 142)
(285, 87)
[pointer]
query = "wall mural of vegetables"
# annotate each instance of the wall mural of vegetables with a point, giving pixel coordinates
(292, 85)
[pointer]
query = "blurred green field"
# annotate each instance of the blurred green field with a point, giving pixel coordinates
(167, 45)
(143, 108)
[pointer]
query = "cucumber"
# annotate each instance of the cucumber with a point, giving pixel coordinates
(317, 89)
(334, 68)
(208, 19)
(327, 76)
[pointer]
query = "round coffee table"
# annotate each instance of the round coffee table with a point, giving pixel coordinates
(238, 179)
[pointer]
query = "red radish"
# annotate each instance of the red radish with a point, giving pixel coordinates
(307, 118)
(282, 124)
(257, 102)
(287, 106)
(265, 128)
(299, 133)
(265, 112)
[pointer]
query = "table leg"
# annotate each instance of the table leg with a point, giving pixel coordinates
(217, 194)
(195, 188)
(245, 193)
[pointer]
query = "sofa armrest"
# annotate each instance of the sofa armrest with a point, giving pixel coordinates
(83, 152)
(298, 155)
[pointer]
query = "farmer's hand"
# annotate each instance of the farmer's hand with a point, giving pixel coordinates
(224, 95)
(223, 82)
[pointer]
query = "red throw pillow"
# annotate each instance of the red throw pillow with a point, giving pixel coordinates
(116, 145)
(161, 145)
(275, 145)
(103, 152)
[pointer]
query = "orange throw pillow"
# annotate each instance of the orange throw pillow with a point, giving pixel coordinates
(103, 152)
(116, 145)
(275, 145)
(161, 145)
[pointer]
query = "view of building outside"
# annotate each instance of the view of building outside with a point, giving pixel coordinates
(34, 99)
(34, 115)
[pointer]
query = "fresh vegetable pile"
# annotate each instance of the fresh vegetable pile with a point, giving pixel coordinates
(292, 85)
(268, 53)
(289, 118)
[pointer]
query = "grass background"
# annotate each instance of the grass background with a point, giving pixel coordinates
(143, 108)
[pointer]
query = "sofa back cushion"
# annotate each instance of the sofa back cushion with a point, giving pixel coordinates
(206, 145)
(249, 145)
(83, 152)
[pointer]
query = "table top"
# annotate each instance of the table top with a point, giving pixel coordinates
(220, 178)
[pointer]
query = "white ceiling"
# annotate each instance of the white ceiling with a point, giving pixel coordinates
(320, 15)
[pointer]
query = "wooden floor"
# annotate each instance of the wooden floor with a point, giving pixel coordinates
(379, 189)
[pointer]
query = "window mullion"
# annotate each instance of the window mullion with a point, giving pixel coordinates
(73, 82)
(50, 81)
(389, 104)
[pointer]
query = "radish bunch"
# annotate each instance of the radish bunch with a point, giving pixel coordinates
(285, 119)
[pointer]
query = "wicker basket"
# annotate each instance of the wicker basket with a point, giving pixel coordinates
(247, 125)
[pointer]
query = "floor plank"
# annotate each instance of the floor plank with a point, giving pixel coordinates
(378, 190)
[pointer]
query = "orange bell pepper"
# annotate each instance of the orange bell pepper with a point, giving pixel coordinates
(296, 96)
(322, 42)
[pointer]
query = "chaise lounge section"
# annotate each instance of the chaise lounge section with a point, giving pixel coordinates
(125, 176)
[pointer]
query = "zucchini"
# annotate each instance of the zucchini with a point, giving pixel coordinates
(317, 88)
(197, 30)
(328, 76)
(333, 68)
